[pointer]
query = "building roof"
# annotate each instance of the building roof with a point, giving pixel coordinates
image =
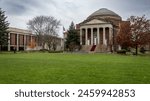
(103, 12)
(19, 31)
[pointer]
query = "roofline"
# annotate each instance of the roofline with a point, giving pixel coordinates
(18, 30)
(103, 16)
(92, 19)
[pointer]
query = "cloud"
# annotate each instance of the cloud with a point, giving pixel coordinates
(18, 7)
(15, 8)
(19, 12)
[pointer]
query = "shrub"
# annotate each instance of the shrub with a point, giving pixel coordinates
(123, 51)
(43, 50)
(142, 50)
(55, 51)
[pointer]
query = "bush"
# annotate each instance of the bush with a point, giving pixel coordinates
(142, 50)
(55, 51)
(43, 50)
(123, 51)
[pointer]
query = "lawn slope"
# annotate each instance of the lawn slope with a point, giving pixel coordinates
(46, 68)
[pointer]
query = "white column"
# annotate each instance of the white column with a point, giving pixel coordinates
(86, 37)
(17, 42)
(8, 41)
(91, 36)
(98, 36)
(81, 36)
(104, 38)
(24, 42)
(110, 34)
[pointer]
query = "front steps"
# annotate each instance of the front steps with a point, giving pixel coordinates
(95, 48)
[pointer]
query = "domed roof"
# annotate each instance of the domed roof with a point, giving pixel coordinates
(103, 12)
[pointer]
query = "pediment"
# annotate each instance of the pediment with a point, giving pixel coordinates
(95, 21)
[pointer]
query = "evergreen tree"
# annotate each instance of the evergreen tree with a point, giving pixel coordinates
(72, 41)
(3, 29)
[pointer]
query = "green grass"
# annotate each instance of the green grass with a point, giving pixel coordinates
(59, 68)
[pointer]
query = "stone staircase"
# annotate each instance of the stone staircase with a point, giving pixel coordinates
(94, 49)
(86, 48)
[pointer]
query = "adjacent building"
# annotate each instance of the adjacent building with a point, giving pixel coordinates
(22, 40)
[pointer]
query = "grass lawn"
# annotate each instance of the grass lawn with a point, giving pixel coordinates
(59, 68)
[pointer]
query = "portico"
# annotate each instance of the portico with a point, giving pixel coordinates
(95, 35)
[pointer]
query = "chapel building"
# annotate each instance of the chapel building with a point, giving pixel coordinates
(98, 31)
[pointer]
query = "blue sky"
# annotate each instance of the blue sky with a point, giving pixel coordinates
(19, 12)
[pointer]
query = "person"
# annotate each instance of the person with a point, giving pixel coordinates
(14, 48)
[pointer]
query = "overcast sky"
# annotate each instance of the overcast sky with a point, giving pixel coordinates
(19, 12)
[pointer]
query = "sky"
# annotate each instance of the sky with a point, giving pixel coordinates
(19, 12)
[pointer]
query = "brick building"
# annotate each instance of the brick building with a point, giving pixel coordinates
(97, 32)
(24, 40)
(20, 39)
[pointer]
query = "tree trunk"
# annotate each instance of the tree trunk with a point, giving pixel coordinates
(49, 46)
(136, 53)
(0, 47)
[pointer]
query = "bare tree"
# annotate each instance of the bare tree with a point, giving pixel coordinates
(45, 27)
(51, 32)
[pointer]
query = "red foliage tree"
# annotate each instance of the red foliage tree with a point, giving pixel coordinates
(140, 29)
(134, 33)
(123, 37)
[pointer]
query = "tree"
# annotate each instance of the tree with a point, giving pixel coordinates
(134, 33)
(140, 29)
(72, 40)
(3, 29)
(123, 37)
(45, 27)
(51, 32)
